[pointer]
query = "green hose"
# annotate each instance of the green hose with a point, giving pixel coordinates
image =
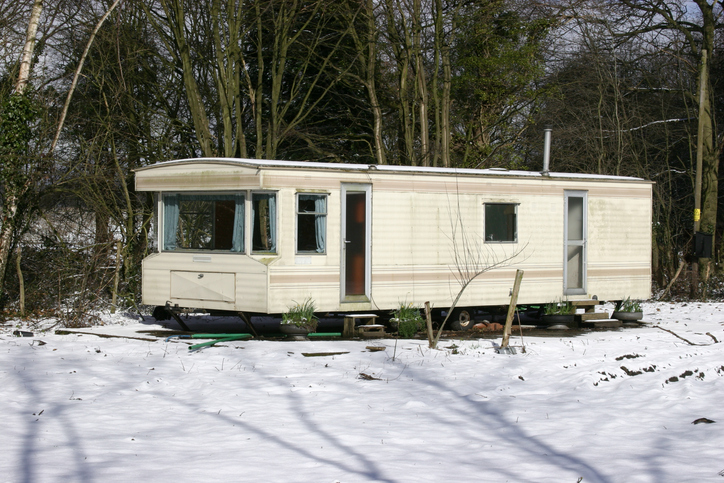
(229, 338)
(217, 336)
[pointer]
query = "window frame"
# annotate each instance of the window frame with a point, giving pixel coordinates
(324, 215)
(515, 206)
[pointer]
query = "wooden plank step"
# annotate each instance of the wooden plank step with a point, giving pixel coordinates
(592, 316)
(371, 331)
(586, 303)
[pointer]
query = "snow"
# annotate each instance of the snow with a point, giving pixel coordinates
(85, 408)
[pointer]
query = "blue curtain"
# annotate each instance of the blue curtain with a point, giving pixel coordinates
(237, 241)
(320, 222)
(170, 221)
(273, 221)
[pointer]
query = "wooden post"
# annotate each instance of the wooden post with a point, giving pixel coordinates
(348, 328)
(428, 318)
(511, 308)
(699, 170)
(21, 281)
(116, 278)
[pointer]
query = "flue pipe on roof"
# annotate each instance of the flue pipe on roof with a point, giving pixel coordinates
(547, 150)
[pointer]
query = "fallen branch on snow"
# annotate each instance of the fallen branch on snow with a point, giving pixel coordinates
(687, 341)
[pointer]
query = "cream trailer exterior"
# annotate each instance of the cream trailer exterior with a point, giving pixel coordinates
(255, 236)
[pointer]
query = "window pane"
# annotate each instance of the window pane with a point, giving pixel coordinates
(575, 218)
(500, 222)
(223, 224)
(195, 225)
(574, 267)
(311, 223)
(264, 222)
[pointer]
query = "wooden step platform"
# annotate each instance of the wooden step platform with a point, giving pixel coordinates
(362, 325)
(371, 330)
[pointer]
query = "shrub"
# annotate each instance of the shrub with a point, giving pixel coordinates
(408, 318)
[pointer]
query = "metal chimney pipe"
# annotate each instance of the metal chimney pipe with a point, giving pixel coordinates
(547, 150)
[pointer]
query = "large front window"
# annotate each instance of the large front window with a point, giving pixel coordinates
(203, 222)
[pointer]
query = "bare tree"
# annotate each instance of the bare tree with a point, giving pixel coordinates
(471, 259)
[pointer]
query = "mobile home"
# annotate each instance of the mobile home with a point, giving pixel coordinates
(254, 236)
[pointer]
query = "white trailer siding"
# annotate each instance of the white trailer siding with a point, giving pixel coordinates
(419, 221)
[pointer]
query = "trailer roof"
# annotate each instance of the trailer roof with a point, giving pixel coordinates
(502, 172)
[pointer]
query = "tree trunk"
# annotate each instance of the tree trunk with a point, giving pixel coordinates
(27, 59)
(371, 85)
(12, 195)
(421, 81)
(709, 158)
(174, 10)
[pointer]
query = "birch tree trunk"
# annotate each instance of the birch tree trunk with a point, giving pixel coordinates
(15, 188)
(27, 58)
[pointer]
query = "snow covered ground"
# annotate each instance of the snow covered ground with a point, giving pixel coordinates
(613, 406)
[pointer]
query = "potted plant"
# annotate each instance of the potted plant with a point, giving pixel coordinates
(407, 320)
(628, 311)
(559, 313)
(299, 320)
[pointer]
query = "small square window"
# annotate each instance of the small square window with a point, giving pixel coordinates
(311, 223)
(501, 222)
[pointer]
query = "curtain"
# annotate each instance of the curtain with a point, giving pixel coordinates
(170, 221)
(273, 222)
(320, 222)
(237, 242)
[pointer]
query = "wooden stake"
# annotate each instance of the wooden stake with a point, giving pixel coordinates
(428, 318)
(116, 278)
(21, 281)
(511, 308)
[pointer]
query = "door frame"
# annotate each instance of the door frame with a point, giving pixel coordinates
(367, 190)
(569, 243)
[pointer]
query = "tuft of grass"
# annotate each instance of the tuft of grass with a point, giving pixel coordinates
(302, 315)
(560, 308)
(629, 305)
